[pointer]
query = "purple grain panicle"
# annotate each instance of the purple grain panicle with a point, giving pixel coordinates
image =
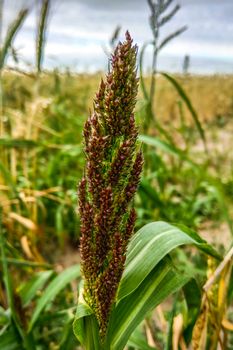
(112, 173)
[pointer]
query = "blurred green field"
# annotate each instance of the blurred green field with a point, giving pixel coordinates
(42, 157)
(185, 128)
(42, 160)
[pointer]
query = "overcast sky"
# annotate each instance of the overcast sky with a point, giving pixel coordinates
(79, 29)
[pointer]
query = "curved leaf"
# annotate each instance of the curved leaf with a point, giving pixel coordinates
(9, 340)
(166, 147)
(149, 246)
(189, 105)
(192, 295)
(83, 311)
(30, 288)
(138, 341)
(130, 311)
(85, 326)
(57, 284)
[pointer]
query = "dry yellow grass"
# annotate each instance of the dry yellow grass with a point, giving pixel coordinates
(212, 96)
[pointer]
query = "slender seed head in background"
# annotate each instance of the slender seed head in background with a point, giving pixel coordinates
(112, 173)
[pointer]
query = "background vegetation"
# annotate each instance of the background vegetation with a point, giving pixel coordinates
(186, 135)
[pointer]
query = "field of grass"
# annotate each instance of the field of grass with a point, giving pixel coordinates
(41, 138)
(139, 257)
(42, 161)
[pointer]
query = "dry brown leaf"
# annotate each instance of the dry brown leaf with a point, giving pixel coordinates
(4, 188)
(163, 322)
(227, 325)
(200, 328)
(177, 331)
(29, 224)
(26, 247)
(149, 334)
(182, 344)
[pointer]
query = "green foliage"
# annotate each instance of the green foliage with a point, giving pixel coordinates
(52, 290)
(41, 162)
(149, 277)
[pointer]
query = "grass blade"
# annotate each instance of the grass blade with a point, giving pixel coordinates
(171, 37)
(189, 105)
(41, 31)
(85, 327)
(12, 31)
(9, 340)
(160, 238)
(166, 147)
(130, 311)
(138, 341)
(53, 289)
(25, 341)
(28, 290)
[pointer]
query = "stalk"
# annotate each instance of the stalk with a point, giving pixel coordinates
(111, 176)
(157, 19)
(41, 34)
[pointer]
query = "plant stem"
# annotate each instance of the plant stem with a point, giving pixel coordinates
(219, 270)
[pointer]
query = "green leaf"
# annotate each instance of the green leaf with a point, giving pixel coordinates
(218, 189)
(8, 285)
(149, 277)
(150, 192)
(156, 142)
(130, 311)
(8, 179)
(149, 246)
(169, 336)
(9, 340)
(86, 328)
(26, 263)
(166, 147)
(57, 284)
(85, 325)
(189, 105)
(29, 289)
(68, 340)
(201, 243)
(159, 238)
(193, 296)
(138, 341)
(18, 143)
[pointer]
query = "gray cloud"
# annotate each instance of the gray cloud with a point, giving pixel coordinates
(79, 28)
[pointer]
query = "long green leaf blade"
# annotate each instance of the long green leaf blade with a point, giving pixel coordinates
(29, 289)
(130, 311)
(138, 341)
(9, 340)
(165, 147)
(189, 105)
(86, 328)
(53, 289)
(149, 246)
